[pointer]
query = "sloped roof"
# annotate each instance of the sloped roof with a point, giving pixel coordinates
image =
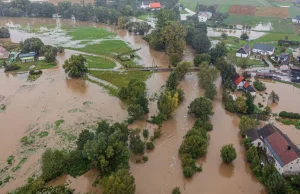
(252, 134)
(155, 5)
(298, 17)
(236, 79)
(281, 149)
(146, 3)
(263, 47)
(250, 89)
(246, 85)
(267, 130)
(27, 55)
(246, 48)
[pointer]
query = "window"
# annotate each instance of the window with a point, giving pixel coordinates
(291, 167)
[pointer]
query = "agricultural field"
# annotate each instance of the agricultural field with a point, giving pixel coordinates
(223, 8)
(274, 12)
(99, 62)
(242, 10)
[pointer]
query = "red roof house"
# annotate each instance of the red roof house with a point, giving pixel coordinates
(155, 5)
(238, 81)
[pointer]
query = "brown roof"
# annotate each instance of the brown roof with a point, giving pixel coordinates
(236, 79)
(246, 48)
(282, 148)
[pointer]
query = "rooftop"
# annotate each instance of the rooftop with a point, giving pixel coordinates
(27, 55)
(263, 47)
(155, 5)
(237, 79)
(298, 17)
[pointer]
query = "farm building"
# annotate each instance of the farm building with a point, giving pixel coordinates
(280, 150)
(263, 49)
(297, 19)
(28, 57)
(238, 81)
(264, 75)
(4, 54)
(294, 73)
(244, 51)
(155, 5)
(204, 16)
(249, 88)
(145, 5)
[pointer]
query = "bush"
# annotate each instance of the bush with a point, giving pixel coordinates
(53, 164)
(259, 85)
(145, 158)
(188, 171)
(150, 145)
(228, 153)
(176, 190)
(289, 115)
(146, 133)
(136, 144)
(11, 67)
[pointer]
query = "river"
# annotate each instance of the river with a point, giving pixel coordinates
(34, 107)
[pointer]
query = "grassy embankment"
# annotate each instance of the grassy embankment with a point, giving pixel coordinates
(118, 79)
(99, 62)
(107, 46)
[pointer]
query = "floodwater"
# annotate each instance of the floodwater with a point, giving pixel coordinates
(217, 32)
(34, 107)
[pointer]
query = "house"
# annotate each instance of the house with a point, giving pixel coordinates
(244, 51)
(28, 57)
(280, 150)
(264, 75)
(155, 5)
(284, 59)
(42, 58)
(204, 16)
(249, 88)
(4, 54)
(296, 20)
(294, 73)
(263, 49)
(145, 5)
(238, 81)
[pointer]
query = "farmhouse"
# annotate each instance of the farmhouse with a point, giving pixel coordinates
(155, 5)
(145, 5)
(297, 19)
(238, 81)
(249, 88)
(204, 16)
(280, 150)
(4, 54)
(263, 49)
(244, 51)
(28, 57)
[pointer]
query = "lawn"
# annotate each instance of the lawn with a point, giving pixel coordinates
(278, 25)
(275, 37)
(146, 16)
(223, 8)
(99, 62)
(88, 33)
(183, 12)
(191, 4)
(294, 11)
(120, 79)
(38, 65)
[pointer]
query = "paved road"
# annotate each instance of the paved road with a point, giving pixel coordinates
(184, 16)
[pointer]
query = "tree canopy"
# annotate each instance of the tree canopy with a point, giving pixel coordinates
(202, 108)
(4, 33)
(32, 45)
(167, 103)
(75, 66)
(228, 153)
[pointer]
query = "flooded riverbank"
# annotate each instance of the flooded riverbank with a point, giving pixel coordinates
(34, 107)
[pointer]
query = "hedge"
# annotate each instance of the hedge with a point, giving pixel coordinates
(289, 115)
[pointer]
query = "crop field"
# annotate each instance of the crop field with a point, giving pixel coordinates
(223, 8)
(242, 10)
(275, 12)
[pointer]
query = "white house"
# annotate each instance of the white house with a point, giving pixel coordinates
(145, 5)
(42, 58)
(280, 150)
(263, 49)
(238, 81)
(204, 16)
(296, 20)
(244, 51)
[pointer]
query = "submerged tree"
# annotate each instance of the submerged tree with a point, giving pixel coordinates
(228, 153)
(274, 97)
(202, 108)
(75, 66)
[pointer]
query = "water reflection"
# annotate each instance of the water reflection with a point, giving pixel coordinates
(226, 170)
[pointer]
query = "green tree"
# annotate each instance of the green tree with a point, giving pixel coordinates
(246, 123)
(210, 91)
(135, 111)
(150, 145)
(228, 153)
(219, 51)
(275, 184)
(75, 66)
(53, 164)
(167, 103)
(182, 69)
(201, 43)
(207, 75)
(172, 81)
(259, 85)
(121, 182)
(4, 33)
(176, 190)
(145, 133)
(164, 17)
(243, 63)
(32, 45)
(244, 36)
(228, 101)
(250, 103)
(200, 58)
(273, 97)
(240, 105)
(251, 154)
(136, 144)
(202, 108)
(84, 136)
(224, 36)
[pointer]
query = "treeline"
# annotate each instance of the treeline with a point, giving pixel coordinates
(104, 148)
(289, 115)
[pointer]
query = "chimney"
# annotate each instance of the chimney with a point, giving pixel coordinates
(289, 147)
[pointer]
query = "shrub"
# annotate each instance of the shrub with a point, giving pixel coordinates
(136, 144)
(188, 171)
(145, 158)
(10, 159)
(146, 133)
(259, 85)
(53, 164)
(228, 153)
(289, 115)
(176, 190)
(150, 145)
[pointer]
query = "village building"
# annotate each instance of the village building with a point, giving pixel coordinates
(249, 88)
(294, 74)
(155, 5)
(204, 16)
(280, 150)
(244, 51)
(264, 75)
(284, 59)
(296, 19)
(238, 81)
(145, 5)
(28, 57)
(4, 54)
(263, 49)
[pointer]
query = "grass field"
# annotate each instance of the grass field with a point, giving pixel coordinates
(278, 25)
(223, 8)
(191, 4)
(120, 79)
(88, 33)
(38, 65)
(294, 11)
(99, 62)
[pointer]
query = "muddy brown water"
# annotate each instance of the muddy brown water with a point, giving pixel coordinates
(31, 106)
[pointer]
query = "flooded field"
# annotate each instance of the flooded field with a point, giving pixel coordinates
(35, 107)
(215, 32)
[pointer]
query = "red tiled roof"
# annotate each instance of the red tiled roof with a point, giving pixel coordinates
(238, 80)
(155, 5)
(280, 147)
(246, 85)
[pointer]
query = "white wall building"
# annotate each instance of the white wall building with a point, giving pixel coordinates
(244, 51)
(263, 49)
